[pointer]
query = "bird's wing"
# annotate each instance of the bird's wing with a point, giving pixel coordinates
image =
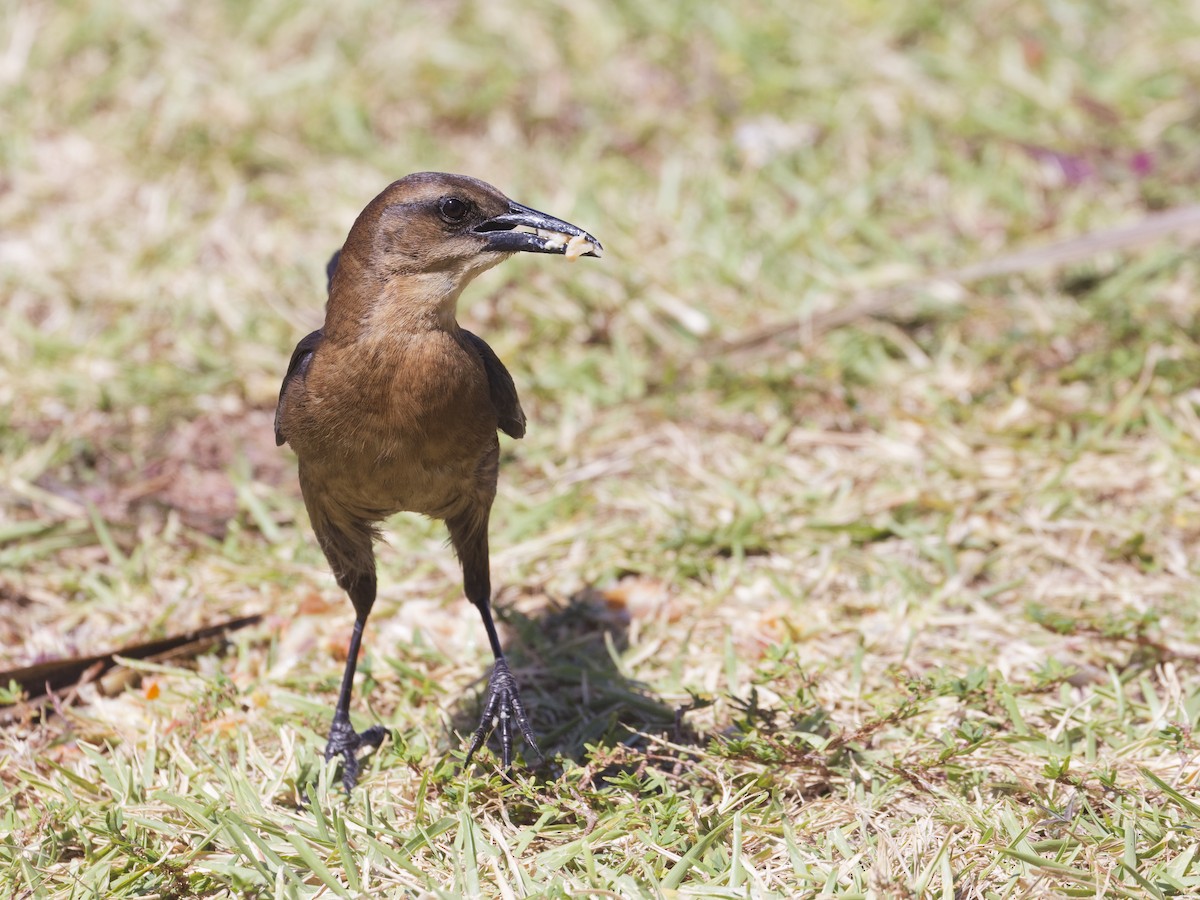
(510, 416)
(299, 363)
(330, 268)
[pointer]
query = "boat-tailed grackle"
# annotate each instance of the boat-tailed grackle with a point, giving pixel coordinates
(392, 407)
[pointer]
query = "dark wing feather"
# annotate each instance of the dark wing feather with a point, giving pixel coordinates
(509, 414)
(296, 367)
(330, 268)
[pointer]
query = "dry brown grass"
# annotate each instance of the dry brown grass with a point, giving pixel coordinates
(925, 584)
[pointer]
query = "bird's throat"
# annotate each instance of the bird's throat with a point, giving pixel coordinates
(414, 304)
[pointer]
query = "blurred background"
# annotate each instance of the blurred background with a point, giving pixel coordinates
(174, 179)
(927, 487)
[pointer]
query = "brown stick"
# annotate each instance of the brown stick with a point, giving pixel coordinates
(57, 674)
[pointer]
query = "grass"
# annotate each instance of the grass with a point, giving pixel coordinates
(905, 608)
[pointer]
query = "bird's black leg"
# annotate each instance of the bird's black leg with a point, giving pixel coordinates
(503, 706)
(503, 702)
(343, 739)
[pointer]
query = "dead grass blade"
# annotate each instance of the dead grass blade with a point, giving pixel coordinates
(1182, 222)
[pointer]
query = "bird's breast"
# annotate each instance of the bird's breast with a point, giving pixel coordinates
(410, 428)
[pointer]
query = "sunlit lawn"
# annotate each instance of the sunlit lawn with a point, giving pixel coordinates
(901, 608)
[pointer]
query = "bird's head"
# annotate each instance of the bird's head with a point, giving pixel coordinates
(430, 233)
(433, 222)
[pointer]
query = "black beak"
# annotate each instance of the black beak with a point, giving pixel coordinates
(525, 229)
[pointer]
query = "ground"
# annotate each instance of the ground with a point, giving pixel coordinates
(830, 565)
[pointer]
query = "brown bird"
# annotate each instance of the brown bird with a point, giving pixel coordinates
(392, 407)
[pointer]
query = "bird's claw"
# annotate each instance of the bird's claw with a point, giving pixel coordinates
(503, 707)
(345, 741)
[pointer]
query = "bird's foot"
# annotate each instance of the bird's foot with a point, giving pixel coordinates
(344, 740)
(502, 709)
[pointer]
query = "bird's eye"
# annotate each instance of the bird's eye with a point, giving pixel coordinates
(453, 209)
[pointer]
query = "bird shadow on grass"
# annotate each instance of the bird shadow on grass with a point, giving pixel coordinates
(565, 658)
